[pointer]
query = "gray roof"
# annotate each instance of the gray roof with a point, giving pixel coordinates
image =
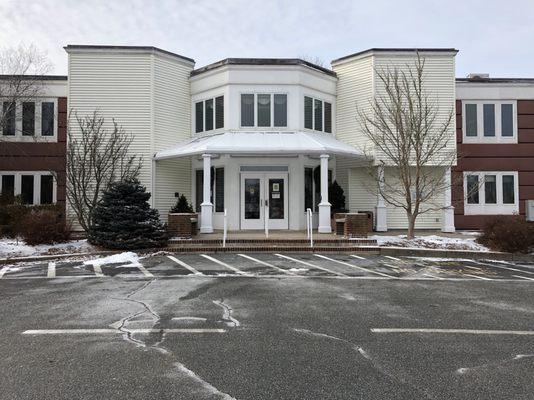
(140, 48)
(36, 77)
(262, 61)
(397, 49)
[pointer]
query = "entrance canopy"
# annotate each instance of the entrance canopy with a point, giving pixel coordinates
(261, 143)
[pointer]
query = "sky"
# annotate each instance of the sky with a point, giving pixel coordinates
(495, 37)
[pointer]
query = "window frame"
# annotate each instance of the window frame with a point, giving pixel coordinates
(213, 194)
(323, 112)
(36, 184)
(37, 125)
(498, 208)
(480, 138)
(316, 189)
(204, 113)
(271, 94)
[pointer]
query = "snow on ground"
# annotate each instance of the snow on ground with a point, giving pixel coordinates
(121, 258)
(10, 248)
(465, 242)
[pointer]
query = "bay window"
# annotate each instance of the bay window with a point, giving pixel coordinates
(491, 193)
(489, 121)
(264, 110)
(317, 115)
(209, 114)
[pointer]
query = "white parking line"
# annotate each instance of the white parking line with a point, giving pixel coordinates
(285, 271)
(523, 277)
(3, 271)
(115, 331)
(508, 268)
(393, 258)
(224, 264)
(186, 266)
(433, 277)
(391, 266)
(355, 266)
(142, 269)
(358, 257)
(311, 265)
(98, 271)
(459, 331)
(478, 277)
(51, 270)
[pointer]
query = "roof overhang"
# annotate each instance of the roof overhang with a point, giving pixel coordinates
(261, 143)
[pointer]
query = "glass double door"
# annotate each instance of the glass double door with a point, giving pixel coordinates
(264, 201)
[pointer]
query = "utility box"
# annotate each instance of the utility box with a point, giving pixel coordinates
(529, 206)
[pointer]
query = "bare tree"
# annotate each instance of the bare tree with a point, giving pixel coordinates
(21, 71)
(409, 134)
(313, 59)
(96, 157)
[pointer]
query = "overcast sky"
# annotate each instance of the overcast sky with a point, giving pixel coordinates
(493, 36)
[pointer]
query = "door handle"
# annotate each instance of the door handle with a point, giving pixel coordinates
(266, 203)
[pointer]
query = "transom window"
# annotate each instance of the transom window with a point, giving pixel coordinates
(209, 114)
(490, 121)
(32, 187)
(317, 115)
(264, 110)
(491, 192)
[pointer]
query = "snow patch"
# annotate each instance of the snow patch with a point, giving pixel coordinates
(122, 258)
(431, 242)
(18, 248)
(298, 269)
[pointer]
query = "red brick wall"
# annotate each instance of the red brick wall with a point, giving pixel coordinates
(495, 157)
(40, 156)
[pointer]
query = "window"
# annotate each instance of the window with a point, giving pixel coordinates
(263, 110)
(32, 187)
(490, 121)
(217, 188)
(209, 114)
(317, 115)
(280, 110)
(8, 117)
(28, 118)
(47, 119)
(308, 188)
(491, 193)
(312, 187)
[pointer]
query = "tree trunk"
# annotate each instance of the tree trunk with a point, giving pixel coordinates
(411, 226)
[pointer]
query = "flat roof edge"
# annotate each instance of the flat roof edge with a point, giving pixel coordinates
(133, 48)
(37, 77)
(397, 50)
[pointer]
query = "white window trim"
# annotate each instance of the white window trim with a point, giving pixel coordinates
(498, 138)
(491, 209)
(37, 136)
(36, 184)
(313, 114)
(204, 115)
(256, 127)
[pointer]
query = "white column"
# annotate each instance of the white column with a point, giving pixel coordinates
(381, 210)
(448, 209)
(206, 216)
(324, 205)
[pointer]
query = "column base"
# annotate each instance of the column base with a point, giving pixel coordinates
(324, 218)
(381, 213)
(448, 220)
(206, 218)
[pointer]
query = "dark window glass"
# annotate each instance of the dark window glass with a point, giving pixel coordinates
(308, 188)
(489, 119)
(8, 117)
(26, 188)
(209, 114)
(47, 189)
(508, 192)
(247, 110)
(308, 113)
(280, 110)
(472, 189)
(47, 119)
(28, 118)
(199, 181)
(199, 116)
(219, 189)
(8, 186)
(490, 189)
(219, 112)
(471, 120)
(318, 115)
(252, 198)
(507, 120)
(264, 110)
(327, 117)
(276, 199)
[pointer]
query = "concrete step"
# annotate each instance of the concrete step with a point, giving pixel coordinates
(273, 249)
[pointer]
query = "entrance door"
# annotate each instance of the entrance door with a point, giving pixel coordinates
(264, 201)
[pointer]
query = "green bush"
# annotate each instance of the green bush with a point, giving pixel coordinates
(512, 234)
(44, 226)
(182, 206)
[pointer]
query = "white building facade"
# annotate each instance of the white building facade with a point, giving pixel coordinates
(261, 139)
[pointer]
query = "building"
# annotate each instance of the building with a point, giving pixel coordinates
(495, 140)
(33, 142)
(259, 138)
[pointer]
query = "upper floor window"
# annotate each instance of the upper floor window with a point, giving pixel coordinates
(209, 114)
(264, 110)
(317, 115)
(491, 192)
(490, 122)
(29, 119)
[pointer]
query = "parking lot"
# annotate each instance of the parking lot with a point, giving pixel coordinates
(267, 326)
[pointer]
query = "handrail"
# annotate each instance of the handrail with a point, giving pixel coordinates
(309, 225)
(225, 228)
